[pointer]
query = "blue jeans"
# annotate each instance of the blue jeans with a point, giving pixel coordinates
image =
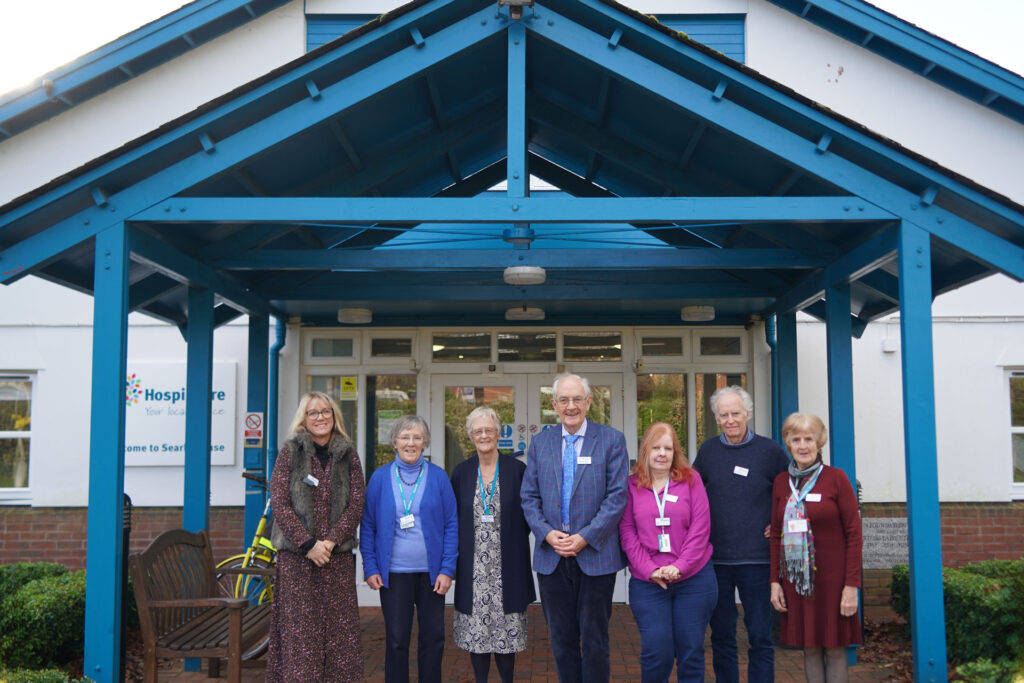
(687, 607)
(396, 602)
(754, 584)
(578, 608)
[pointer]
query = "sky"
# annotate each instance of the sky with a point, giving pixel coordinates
(37, 36)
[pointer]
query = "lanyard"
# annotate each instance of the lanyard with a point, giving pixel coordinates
(661, 501)
(798, 496)
(401, 489)
(490, 496)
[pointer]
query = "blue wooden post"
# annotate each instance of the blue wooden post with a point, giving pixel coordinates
(927, 614)
(518, 173)
(198, 385)
(789, 392)
(104, 555)
(840, 380)
(255, 457)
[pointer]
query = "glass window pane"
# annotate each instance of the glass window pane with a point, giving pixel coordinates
(592, 346)
(15, 404)
(391, 348)
(459, 402)
(344, 391)
(707, 384)
(14, 463)
(1017, 401)
(720, 346)
(662, 346)
(1018, 458)
(332, 348)
(454, 347)
(661, 398)
(388, 397)
(528, 346)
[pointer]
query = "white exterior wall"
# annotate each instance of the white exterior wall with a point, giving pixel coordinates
(46, 330)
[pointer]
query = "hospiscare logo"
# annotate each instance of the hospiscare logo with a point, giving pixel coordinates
(132, 389)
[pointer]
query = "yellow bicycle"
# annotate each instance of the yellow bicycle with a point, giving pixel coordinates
(253, 572)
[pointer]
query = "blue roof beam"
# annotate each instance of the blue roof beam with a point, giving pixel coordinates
(333, 210)
(552, 259)
(237, 149)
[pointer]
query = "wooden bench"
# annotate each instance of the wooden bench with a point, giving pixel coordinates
(183, 610)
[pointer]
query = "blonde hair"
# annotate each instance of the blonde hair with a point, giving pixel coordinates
(805, 422)
(298, 424)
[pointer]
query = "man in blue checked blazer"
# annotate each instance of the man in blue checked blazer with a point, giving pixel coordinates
(574, 492)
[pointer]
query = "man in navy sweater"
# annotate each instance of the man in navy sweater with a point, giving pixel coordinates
(738, 468)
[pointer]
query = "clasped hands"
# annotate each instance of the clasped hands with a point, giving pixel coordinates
(320, 553)
(566, 545)
(663, 576)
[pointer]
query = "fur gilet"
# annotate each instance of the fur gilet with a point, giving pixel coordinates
(303, 451)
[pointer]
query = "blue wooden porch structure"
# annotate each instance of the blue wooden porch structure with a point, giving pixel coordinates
(362, 175)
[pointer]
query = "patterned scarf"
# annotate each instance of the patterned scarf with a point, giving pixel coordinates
(798, 546)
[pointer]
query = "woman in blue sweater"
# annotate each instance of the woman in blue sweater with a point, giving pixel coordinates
(409, 542)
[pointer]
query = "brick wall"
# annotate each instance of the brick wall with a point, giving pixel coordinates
(971, 532)
(59, 534)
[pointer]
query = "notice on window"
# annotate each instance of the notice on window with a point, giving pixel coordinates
(885, 542)
(349, 389)
(385, 420)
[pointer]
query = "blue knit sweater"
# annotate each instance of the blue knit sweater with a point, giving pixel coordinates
(741, 504)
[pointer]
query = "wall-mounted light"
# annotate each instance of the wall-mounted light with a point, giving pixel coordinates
(697, 314)
(524, 275)
(355, 316)
(524, 313)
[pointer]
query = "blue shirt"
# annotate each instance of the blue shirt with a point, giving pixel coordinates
(409, 551)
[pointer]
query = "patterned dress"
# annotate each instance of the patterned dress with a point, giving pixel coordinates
(488, 628)
(314, 627)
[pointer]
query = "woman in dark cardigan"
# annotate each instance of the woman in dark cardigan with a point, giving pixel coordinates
(493, 580)
(317, 494)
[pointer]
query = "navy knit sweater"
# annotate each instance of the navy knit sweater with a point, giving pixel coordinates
(740, 505)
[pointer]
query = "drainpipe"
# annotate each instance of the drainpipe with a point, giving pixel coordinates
(770, 339)
(272, 398)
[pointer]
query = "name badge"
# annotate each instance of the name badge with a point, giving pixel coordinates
(742, 471)
(407, 521)
(813, 498)
(664, 545)
(798, 526)
(489, 519)
(661, 521)
(311, 480)
(671, 498)
(583, 460)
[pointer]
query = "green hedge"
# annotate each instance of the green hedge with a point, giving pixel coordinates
(984, 609)
(14, 576)
(43, 623)
(38, 676)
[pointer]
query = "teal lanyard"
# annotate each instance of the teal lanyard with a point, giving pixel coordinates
(798, 496)
(401, 489)
(480, 478)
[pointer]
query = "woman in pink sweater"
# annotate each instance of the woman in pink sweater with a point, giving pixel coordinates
(665, 530)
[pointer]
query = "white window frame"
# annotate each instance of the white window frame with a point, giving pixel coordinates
(20, 495)
(1016, 488)
(685, 335)
(354, 359)
(742, 334)
(400, 361)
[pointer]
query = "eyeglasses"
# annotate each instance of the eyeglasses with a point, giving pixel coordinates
(490, 431)
(568, 400)
(313, 414)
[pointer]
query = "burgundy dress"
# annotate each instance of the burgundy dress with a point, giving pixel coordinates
(314, 627)
(835, 522)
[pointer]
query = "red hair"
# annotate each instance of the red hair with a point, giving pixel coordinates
(680, 471)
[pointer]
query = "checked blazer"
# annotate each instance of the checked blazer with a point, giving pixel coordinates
(598, 497)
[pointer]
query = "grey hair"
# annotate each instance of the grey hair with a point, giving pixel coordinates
(748, 402)
(409, 422)
(568, 375)
(482, 413)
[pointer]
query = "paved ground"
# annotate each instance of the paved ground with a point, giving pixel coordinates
(536, 663)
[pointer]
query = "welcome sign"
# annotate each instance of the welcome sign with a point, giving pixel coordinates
(155, 414)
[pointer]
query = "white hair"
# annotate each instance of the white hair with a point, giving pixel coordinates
(482, 413)
(748, 402)
(568, 375)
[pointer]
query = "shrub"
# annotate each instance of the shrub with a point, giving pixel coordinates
(14, 576)
(38, 676)
(43, 623)
(1002, 670)
(984, 607)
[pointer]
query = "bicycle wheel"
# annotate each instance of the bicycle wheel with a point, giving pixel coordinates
(255, 587)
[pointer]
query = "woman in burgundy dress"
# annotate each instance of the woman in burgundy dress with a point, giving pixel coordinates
(317, 494)
(815, 553)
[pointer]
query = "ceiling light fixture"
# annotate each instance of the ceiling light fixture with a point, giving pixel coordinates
(355, 316)
(524, 275)
(524, 313)
(697, 314)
